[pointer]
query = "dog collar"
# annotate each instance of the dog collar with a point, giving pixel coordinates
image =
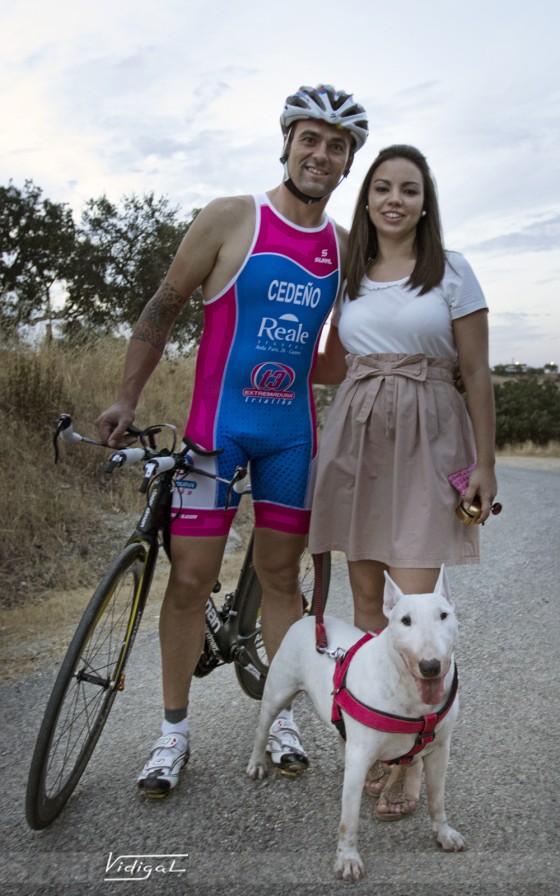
(343, 699)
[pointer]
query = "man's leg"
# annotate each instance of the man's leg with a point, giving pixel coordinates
(276, 556)
(195, 566)
(277, 559)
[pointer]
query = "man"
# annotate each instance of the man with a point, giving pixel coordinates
(269, 268)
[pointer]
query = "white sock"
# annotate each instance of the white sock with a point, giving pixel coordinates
(286, 714)
(177, 727)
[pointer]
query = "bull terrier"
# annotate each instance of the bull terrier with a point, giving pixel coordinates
(394, 696)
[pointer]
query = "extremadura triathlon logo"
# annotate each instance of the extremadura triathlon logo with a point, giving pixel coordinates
(271, 381)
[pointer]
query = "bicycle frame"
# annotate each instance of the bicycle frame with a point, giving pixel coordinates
(146, 533)
(223, 627)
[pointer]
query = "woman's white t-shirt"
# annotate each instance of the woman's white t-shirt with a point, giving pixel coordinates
(389, 317)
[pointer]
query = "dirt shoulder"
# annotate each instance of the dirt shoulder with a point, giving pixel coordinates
(37, 635)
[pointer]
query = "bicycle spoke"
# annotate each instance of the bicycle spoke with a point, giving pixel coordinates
(69, 742)
(90, 683)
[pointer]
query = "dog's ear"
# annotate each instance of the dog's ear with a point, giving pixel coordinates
(391, 594)
(442, 584)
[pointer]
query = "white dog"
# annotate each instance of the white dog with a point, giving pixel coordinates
(406, 674)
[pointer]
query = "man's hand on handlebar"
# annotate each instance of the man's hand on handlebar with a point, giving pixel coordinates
(113, 423)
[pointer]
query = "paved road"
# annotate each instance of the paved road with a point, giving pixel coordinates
(234, 836)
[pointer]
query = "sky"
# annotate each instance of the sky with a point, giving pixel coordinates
(182, 98)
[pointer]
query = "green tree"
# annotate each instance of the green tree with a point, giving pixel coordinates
(36, 253)
(122, 254)
(527, 410)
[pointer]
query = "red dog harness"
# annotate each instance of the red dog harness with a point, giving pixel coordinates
(423, 727)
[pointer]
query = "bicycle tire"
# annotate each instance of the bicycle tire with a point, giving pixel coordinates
(250, 613)
(89, 679)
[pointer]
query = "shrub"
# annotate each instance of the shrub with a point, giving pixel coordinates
(527, 410)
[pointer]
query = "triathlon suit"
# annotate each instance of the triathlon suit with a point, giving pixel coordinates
(252, 393)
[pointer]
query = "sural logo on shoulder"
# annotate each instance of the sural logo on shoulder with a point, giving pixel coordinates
(123, 866)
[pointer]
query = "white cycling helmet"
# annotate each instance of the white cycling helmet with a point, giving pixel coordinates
(327, 104)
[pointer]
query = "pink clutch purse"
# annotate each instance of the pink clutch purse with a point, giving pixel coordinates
(469, 515)
(460, 479)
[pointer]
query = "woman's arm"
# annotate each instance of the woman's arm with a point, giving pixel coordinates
(330, 367)
(471, 338)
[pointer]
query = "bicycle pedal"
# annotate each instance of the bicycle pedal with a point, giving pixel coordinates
(291, 768)
(289, 772)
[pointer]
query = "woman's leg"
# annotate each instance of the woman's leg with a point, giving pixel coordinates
(367, 582)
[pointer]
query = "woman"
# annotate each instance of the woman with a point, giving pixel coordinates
(411, 324)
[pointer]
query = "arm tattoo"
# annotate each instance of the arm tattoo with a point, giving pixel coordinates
(157, 318)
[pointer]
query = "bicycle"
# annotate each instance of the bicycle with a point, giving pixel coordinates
(92, 673)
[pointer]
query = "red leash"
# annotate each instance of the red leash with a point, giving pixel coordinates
(320, 632)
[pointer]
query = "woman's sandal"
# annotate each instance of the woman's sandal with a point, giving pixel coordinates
(394, 793)
(376, 778)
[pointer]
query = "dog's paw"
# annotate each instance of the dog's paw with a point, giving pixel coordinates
(256, 770)
(449, 839)
(349, 866)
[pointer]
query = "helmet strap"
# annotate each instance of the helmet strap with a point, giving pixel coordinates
(303, 197)
(286, 148)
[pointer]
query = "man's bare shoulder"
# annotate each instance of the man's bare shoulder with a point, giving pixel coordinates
(231, 209)
(218, 241)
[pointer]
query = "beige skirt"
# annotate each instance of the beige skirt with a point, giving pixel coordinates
(397, 428)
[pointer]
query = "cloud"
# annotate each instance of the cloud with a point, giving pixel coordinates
(542, 236)
(526, 337)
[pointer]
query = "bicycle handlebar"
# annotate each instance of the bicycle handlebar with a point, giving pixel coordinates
(155, 461)
(65, 430)
(125, 456)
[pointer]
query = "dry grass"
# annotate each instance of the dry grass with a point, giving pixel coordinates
(59, 520)
(529, 449)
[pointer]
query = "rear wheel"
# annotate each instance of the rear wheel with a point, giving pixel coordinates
(88, 681)
(252, 677)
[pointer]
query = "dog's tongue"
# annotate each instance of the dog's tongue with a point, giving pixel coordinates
(431, 690)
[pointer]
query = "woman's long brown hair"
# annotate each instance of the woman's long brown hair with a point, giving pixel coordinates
(362, 243)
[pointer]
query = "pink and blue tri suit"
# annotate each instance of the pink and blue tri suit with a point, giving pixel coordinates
(252, 394)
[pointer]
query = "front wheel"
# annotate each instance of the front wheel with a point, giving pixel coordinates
(88, 681)
(252, 679)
